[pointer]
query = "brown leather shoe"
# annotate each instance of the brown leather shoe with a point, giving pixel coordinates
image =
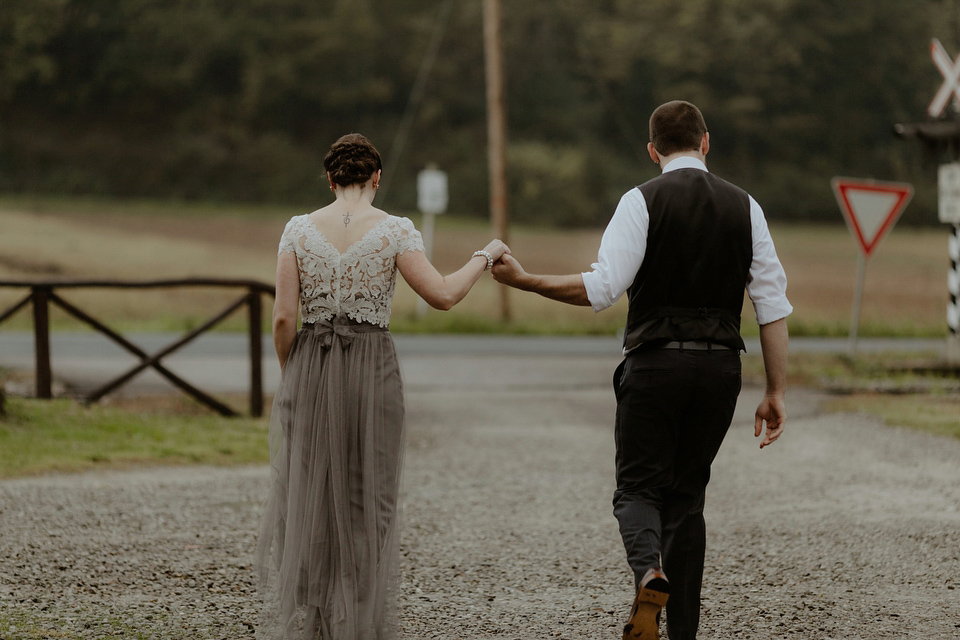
(644, 621)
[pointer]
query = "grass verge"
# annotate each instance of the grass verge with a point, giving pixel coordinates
(934, 413)
(27, 625)
(40, 436)
(876, 384)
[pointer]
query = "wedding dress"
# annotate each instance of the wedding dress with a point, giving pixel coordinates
(327, 551)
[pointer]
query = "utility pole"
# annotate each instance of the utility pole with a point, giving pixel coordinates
(496, 132)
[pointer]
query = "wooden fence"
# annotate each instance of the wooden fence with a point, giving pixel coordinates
(43, 293)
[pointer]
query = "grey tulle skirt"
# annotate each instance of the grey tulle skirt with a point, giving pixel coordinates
(327, 551)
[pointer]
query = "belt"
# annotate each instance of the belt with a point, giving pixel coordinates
(696, 346)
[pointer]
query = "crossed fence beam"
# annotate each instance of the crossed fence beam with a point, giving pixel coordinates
(42, 294)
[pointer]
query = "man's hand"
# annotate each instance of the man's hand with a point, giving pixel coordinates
(773, 412)
(508, 271)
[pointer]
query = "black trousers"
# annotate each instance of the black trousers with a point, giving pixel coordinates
(673, 410)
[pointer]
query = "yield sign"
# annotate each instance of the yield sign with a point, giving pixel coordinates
(870, 207)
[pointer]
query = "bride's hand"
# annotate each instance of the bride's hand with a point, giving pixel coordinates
(496, 249)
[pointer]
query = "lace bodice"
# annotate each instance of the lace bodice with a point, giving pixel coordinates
(359, 282)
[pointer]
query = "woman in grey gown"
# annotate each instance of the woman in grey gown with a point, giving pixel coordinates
(327, 550)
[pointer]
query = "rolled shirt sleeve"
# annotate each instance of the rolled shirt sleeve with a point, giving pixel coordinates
(767, 281)
(621, 252)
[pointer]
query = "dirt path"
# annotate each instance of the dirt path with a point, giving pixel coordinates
(844, 529)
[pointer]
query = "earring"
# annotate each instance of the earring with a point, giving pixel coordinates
(376, 185)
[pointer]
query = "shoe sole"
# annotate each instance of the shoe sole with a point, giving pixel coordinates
(643, 624)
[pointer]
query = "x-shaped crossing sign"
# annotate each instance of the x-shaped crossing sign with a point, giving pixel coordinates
(950, 69)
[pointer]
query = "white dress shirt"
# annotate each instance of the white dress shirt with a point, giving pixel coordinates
(624, 244)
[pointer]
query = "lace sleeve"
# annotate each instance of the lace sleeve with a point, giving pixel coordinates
(288, 243)
(408, 238)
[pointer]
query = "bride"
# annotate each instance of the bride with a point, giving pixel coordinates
(327, 550)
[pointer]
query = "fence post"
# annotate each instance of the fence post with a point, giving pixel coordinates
(256, 353)
(41, 337)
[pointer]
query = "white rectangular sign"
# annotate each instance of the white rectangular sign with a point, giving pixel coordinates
(948, 193)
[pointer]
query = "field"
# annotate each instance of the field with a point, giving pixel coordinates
(905, 291)
(46, 238)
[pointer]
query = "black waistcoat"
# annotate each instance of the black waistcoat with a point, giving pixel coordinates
(699, 249)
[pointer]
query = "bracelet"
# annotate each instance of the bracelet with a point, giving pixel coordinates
(484, 254)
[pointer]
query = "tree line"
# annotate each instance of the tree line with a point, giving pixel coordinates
(238, 100)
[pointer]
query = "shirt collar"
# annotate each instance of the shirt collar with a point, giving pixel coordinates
(685, 162)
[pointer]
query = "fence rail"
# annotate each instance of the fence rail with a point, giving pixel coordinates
(43, 293)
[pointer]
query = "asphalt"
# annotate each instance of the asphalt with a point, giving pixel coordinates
(218, 362)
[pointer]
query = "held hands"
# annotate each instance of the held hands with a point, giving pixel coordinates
(508, 271)
(496, 249)
(773, 412)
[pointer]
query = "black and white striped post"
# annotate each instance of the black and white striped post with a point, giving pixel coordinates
(948, 211)
(953, 306)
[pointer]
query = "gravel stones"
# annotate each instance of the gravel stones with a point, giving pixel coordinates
(844, 528)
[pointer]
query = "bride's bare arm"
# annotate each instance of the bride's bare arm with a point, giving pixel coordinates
(442, 292)
(285, 305)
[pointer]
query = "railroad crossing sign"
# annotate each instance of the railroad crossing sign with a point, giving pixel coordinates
(870, 207)
(950, 70)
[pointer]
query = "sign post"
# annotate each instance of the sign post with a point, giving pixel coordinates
(948, 197)
(432, 197)
(870, 208)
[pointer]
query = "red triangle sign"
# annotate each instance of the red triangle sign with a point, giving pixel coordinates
(870, 207)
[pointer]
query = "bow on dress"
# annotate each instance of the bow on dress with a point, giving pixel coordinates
(340, 326)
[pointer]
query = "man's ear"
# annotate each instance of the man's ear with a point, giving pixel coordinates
(705, 144)
(653, 153)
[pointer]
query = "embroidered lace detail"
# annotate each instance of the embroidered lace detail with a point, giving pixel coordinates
(359, 282)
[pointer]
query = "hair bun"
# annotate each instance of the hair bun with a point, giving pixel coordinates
(352, 160)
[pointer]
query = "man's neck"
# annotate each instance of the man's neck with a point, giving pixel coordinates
(665, 160)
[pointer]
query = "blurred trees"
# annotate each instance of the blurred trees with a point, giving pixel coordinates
(238, 100)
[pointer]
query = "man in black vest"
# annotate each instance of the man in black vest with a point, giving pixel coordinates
(683, 246)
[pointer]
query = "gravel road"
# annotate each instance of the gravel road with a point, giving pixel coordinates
(843, 529)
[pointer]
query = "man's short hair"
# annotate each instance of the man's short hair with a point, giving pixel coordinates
(676, 126)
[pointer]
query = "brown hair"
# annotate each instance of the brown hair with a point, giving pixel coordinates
(352, 160)
(676, 126)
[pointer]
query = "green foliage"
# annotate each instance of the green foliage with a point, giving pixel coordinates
(221, 100)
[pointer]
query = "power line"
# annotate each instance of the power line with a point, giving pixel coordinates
(416, 97)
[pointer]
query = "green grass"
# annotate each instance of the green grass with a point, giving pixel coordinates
(937, 413)
(25, 625)
(40, 436)
(607, 324)
(875, 384)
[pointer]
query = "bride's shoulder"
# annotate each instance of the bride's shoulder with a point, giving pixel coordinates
(405, 234)
(401, 222)
(299, 219)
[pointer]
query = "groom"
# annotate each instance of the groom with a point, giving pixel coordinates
(683, 246)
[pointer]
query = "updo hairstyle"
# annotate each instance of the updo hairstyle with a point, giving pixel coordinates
(352, 160)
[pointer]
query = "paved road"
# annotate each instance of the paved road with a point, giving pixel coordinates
(217, 362)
